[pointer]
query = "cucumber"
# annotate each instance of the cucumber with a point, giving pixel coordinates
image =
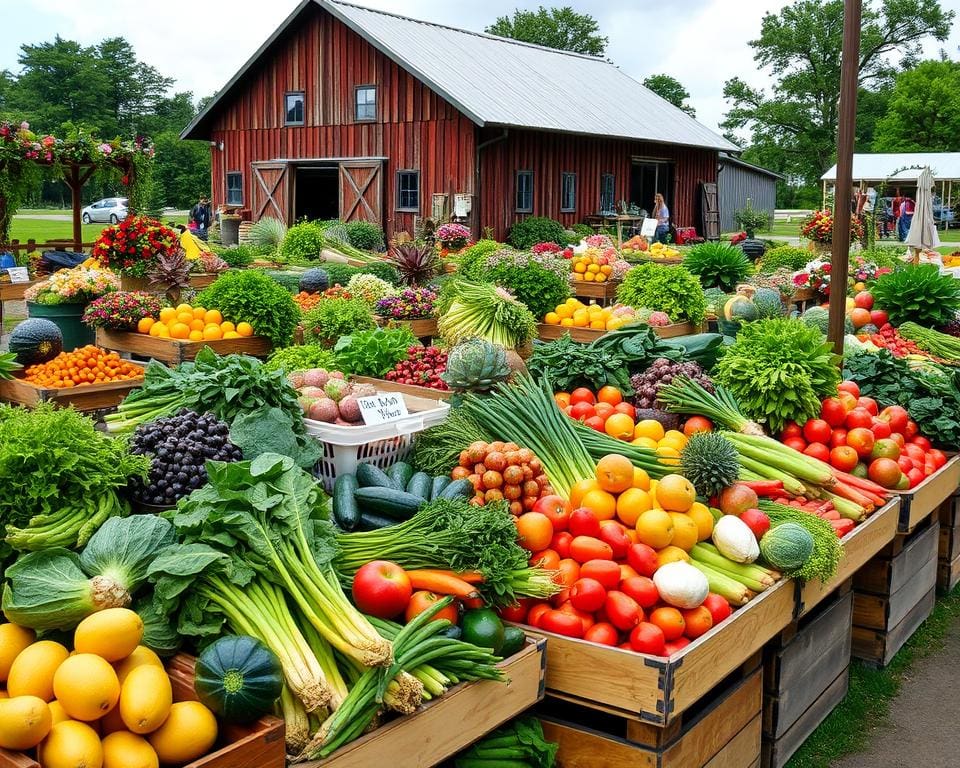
(372, 522)
(346, 513)
(369, 476)
(458, 488)
(401, 472)
(420, 485)
(439, 483)
(399, 505)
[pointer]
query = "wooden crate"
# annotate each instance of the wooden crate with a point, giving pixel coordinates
(446, 725)
(894, 593)
(724, 731)
(603, 293)
(547, 332)
(198, 281)
(174, 351)
(84, 397)
(920, 502)
(658, 690)
(422, 329)
(805, 674)
(14, 291)
(407, 389)
(259, 745)
(948, 553)
(861, 544)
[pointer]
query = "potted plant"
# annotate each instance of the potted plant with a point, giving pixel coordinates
(131, 247)
(452, 237)
(750, 220)
(818, 229)
(64, 295)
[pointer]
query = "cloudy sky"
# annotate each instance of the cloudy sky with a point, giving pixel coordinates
(700, 42)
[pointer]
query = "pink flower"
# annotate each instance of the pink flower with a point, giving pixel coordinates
(49, 141)
(24, 126)
(105, 148)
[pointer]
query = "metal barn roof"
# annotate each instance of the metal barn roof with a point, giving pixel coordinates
(945, 166)
(500, 82)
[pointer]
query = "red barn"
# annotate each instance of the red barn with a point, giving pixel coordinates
(359, 114)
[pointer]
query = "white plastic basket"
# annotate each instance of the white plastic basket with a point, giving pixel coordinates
(380, 445)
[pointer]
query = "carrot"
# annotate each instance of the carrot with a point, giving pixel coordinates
(860, 482)
(443, 583)
(471, 577)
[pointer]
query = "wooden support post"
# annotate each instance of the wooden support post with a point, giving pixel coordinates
(75, 179)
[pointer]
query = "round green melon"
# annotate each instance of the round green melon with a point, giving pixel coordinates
(739, 309)
(36, 340)
(787, 547)
(238, 678)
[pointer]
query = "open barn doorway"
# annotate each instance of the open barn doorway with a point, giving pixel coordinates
(317, 193)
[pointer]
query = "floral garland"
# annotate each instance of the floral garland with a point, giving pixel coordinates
(134, 244)
(818, 227)
(73, 286)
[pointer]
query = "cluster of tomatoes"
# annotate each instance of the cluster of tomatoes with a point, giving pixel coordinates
(605, 411)
(853, 435)
(889, 338)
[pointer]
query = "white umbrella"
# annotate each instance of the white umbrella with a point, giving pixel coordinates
(923, 229)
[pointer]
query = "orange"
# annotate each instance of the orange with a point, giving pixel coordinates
(620, 426)
(655, 528)
(145, 324)
(196, 336)
(646, 442)
(231, 335)
(566, 323)
(670, 620)
(603, 410)
(609, 394)
(580, 318)
(686, 533)
(212, 332)
(700, 515)
(674, 438)
(697, 424)
(163, 332)
(226, 326)
(551, 318)
(598, 325)
(581, 489)
(179, 331)
(534, 531)
(671, 554)
(600, 277)
(675, 493)
(213, 316)
(589, 277)
(158, 328)
(579, 267)
(641, 479)
(649, 428)
(614, 472)
(185, 317)
(184, 308)
(632, 503)
(199, 313)
(669, 455)
(564, 311)
(167, 314)
(603, 504)
(197, 325)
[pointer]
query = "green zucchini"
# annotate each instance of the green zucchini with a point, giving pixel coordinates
(372, 522)
(462, 487)
(369, 476)
(346, 513)
(420, 485)
(439, 483)
(401, 472)
(399, 505)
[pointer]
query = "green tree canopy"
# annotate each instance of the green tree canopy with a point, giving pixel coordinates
(669, 88)
(793, 126)
(561, 28)
(924, 111)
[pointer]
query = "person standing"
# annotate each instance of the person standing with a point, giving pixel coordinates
(907, 208)
(895, 211)
(662, 214)
(201, 215)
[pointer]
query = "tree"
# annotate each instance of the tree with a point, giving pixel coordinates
(669, 88)
(794, 126)
(184, 173)
(924, 111)
(561, 28)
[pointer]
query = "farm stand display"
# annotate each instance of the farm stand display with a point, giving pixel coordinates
(88, 397)
(175, 351)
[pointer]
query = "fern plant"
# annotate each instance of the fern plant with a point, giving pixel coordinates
(918, 293)
(718, 265)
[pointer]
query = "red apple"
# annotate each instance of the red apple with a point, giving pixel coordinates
(869, 403)
(864, 300)
(879, 317)
(756, 521)
(382, 589)
(849, 386)
(583, 522)
(896, 416)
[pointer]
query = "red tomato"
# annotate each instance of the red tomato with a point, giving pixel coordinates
(603, 410)
(586, 619)
(581, 411)
(797, 443)
(718, 606)
(643, 559)
(582, 395)
(880, 428)
(560, 598)
(647, 638)
(858, 417)
(885, 448)
(849, 386)
(641, 589)
(885, 472)
(583, 522)
(697, 621)
(603, 634)
(818, 451)
(915, 476)
(536, 613)
(791, 429)
(921, 441)
(421, 600)
(911, 429)
(848, 400)
(596, 423)
(567, 572)
(606, 572)
(869, 404)
(838, 438)
(938, 456)
(556, 509)
(547, 559)
(861, 440)
(587, 595)
(562, 399)
(675, 646)
(756, 521)
(844, 458)
(914, 451)
(816, 431)
(627, 572)
(560, 543)
(610, 395)
(905, 463)
(626, 408)
(898, 439)
(613, 534)
(833, 411)
(896, 416)
(561, 623)
(517, 612)
(622, 610)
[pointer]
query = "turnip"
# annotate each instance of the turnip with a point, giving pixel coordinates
(316, 377)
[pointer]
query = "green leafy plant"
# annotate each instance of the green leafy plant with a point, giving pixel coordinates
(918, 293)
(540, 288)
(289, 280)
(373, 352)
(339, 274)
(472, 261)
(268, 233)
(883, 256)
(303, 242)
(250, 296)
(779, 370)
(238, 256)
(300, 357)
(488, 312)
(584, 230)
(718, 265)
(751, 219)
(365, 235)
(670, 289)
(784, 257)
(333, 318)
(384, 270)
(536, 229)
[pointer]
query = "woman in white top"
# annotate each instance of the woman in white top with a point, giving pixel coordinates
(662, 214)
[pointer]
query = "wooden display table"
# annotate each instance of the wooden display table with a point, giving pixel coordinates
(920, 502)
(422, 329)
(406, 389)
(83, 397)
(12, 292)
(605, 293)
(548, 332)
(174, 351)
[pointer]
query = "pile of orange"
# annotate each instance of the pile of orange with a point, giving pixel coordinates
(668, 443)
(589, 269)
(187, 323)
(86, 365)
(573, 313)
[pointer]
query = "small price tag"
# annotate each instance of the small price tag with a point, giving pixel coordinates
(18, 274)
(379, 409)
(648, 228)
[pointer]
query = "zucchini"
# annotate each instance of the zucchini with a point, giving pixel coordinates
(420, 485)
(346, 513)
(439, 483)
(369, 476)
(399, 505)
(401, 472)
(372, 522)
(457, 488)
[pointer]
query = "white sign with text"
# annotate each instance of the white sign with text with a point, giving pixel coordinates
(648, 228)
(383, 407)
(18, 274)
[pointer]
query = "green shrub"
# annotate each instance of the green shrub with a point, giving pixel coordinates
(541, 289)
(238, 256)
(784, 256)
(670, 289)
(751, 220)
(251, 296)
(339, 274)
(472, 261)
(584, 230)
(365, 235)
(536, 229)
(718, 265)
(882, 255)
(289, 280)
(384, 271)
(333, 318)
(303, 242)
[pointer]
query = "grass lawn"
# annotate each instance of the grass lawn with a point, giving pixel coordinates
(42, 230)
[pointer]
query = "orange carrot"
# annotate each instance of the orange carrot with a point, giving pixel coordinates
(443, 583)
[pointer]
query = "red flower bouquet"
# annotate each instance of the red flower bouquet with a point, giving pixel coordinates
(134, 244)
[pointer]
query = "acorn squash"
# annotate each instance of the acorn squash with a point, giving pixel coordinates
(238, 678)
(36, 340)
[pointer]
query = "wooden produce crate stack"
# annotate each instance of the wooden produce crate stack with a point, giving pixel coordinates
(84, 397)
(175, 351)
(548, 332)
(805, 674)
(948, 555)
(604, 293)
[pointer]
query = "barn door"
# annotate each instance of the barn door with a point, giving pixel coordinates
(710, 211)
(271, 191)
(361, 191)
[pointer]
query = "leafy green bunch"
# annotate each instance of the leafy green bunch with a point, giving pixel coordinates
(670, 289)
(472, 261)
(373, 352)
(300, 357)
(784, 256)
(533, 283)
(779, 370)
(333, 318)
(918, 293)
(250, 296)
(303, 242)
(365, 235)
(718, 265)
(536, 229)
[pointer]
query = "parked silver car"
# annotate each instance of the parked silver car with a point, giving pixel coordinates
(110, 209)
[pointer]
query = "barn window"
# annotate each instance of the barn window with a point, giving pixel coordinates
(366, 103)
(408, 191)
(524, 192)
(235, 188)
(568, 192)
(294, 108)
(607, 184)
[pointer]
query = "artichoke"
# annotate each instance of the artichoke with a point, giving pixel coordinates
(475, 365)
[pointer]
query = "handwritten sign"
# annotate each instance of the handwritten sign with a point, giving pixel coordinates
(648, 228)
(18, 274)
(379, 409)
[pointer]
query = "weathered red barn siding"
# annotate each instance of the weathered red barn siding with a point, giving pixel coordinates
(549, 155)
(415, 128)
